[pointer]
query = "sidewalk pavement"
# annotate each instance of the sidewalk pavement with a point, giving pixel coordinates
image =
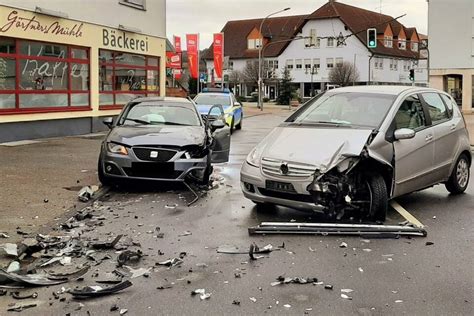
(40, 181)
(470, 126)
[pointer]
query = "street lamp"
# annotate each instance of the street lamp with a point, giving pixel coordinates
(313, 71)
(260, 105)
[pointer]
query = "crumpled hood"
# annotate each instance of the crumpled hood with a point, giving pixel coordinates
(157, 135)
(321, 147)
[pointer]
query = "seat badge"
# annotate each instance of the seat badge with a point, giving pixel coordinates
(153, 154)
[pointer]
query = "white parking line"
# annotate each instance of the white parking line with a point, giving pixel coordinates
(403, 212)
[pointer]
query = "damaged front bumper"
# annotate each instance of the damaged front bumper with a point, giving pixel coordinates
(131, 167)
(255, 187)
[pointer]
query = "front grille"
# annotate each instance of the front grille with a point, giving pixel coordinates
(273, 167)
(286, 196)
(152, 170)
(154, 154)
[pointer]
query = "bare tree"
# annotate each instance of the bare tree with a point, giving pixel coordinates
(235, 77)
(250, 73)
(344, 74)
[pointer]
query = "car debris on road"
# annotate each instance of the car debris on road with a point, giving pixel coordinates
(95, 291)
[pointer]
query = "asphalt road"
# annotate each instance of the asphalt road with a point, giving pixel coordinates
(397, 276)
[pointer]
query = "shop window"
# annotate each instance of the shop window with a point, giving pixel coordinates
(124, 76)
(43, 77)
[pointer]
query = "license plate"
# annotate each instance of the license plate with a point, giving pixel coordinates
(279, 186)
(153, 166)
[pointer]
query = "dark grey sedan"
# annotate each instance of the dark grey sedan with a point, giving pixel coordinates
(163, 139)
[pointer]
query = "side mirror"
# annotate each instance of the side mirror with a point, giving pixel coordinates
(108, 121)
(237, 104)
(404, 133)
(217, 124)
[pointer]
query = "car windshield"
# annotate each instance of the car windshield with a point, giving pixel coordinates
(161, 114)
(212, 99)
(346, 109)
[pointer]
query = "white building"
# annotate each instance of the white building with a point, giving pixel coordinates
(451, 49)
(311, 59)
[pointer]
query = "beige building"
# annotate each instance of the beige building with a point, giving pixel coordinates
(451, 49)
(63, 68)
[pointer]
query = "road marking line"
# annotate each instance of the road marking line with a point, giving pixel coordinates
(403, 212)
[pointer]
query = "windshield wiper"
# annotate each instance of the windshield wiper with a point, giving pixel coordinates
(174, 123)
(138, 121)
(339, 123)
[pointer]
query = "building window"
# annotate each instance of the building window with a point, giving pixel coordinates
(231, 65)
(402, 44)
(307, 64)
(395, 64)
(123, 76)
(330, 42)
(254, 43)
(289, 64)
(298, 64)
(316, 63)
(339, 61)
(387, 41)
(414, 46)
(137, 4)
(330, 63)
(43, 77)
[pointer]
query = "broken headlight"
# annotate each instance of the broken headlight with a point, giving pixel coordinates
(117, 149)
(195, 151)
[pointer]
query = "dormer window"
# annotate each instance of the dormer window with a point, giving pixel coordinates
(402, 44)
(414, 46)
(388, 41)
(254, 43)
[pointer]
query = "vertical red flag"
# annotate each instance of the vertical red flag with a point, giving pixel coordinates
(192, 47)
(218, 45)
(177, 44)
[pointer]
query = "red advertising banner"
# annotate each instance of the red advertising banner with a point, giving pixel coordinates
(177, 44)
(173, 60)
(192, 46)
(218, 45)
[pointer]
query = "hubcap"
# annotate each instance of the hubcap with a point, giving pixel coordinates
(462, 173)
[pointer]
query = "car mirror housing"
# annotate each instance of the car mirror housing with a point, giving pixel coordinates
(236, 104)
(404, 133)
(217, 124)
(108, 121)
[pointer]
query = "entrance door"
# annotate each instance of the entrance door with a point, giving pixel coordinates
(272, 93)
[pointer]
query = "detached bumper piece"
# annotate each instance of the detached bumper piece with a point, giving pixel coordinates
(366, 230)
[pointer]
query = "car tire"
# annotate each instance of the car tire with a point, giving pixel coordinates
(105, 180)
(239, 126)
(459, 178)
(379, 202)
(207, 172)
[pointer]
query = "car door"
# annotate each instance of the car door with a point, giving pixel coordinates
(445, 136)
(414, 156)
(220, 146)
(237, 109)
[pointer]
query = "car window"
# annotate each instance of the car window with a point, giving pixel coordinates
(346, 108)
(450, 104)
(148, 113)
(212, 99)
(410, 114)
(436, 107)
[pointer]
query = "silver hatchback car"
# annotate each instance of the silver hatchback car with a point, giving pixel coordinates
(353, 149)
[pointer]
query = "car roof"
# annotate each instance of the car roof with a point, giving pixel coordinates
(395, 90)
(215, 93)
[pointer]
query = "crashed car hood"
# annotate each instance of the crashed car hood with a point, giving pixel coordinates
(157, 135)
(320, 147)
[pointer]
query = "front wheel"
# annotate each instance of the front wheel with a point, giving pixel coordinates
(459, 179)
(377, 197)
(239, 126)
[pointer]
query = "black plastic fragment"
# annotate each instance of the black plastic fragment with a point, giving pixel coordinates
(127, 256)
(95, 292)
(106, 244)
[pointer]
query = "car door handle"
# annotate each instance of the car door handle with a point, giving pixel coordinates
(453, 126)
(429, 138)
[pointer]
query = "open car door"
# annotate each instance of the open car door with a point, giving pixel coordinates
(220, 134)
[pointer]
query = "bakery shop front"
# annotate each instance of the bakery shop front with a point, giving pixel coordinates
(59, 76)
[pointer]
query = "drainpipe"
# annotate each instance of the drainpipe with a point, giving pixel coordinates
(370, 61)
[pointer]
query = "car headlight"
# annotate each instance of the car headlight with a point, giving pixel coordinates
(253, 157)
(117, 149)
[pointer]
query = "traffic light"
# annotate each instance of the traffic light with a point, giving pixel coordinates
(372, 38)
(412, 75)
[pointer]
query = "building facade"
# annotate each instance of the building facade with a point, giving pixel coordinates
(63, 70)
(451, 49)
(333, 34)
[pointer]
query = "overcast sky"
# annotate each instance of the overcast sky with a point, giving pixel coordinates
(209, 16)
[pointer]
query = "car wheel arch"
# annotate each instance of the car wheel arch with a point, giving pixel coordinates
(373, 165)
